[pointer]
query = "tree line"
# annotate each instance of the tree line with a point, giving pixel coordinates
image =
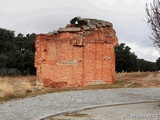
(16, 51)
(127, 61)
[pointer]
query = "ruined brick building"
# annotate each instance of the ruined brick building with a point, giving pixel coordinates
(80, 54)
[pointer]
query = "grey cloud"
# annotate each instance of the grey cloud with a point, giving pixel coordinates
(128, 20)
(50, 19)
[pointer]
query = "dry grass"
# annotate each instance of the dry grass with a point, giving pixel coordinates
(39, 83)
(25, 86)
(145, 79)
(7, 89)
(131, 76)
(28, 86)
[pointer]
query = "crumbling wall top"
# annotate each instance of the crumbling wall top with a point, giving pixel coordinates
(78, 24)
(90, 22)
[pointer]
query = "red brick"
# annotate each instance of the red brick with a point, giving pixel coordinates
(60, 63)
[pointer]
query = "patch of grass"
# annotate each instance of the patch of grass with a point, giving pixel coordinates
(137, 75)
(36, 92)
(26, 86)
(132, 76)
(117, 84)
(7, 89)
(21, 87)
(39, 83)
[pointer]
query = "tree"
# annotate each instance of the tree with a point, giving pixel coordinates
(128, 62)
(30, 42)
(153, 16)
(125, 60)
(25, 53)
(158, 63)
(29, 62)
(19, 61)
(145, 66)
(16, 52)
(6, 37)
(3, 64)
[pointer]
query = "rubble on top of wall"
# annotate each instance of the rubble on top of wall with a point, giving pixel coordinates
(90, 22)
(78, 24)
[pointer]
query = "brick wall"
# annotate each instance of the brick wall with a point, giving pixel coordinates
(76, 58)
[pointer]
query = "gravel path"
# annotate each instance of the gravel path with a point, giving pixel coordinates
(138, 111)
(45, 105)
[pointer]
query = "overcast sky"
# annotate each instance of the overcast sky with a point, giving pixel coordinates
(43, 16)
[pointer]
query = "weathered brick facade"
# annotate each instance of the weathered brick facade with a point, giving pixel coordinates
(80, 54)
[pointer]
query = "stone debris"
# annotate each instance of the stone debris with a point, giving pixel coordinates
(78, 24)
(55, 32)
(85, 27)
(69, 29)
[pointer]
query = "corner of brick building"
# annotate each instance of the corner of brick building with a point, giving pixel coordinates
(78, 55)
